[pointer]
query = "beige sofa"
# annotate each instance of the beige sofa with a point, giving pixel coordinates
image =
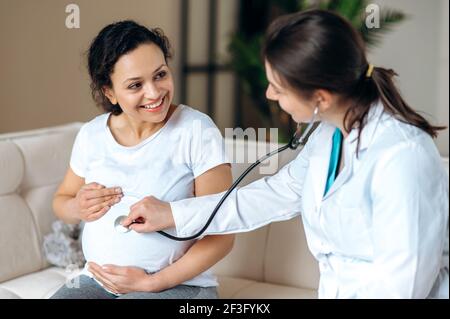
(271, 262)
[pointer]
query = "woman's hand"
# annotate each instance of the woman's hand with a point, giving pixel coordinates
(122, 280)
(149, 215)
(94, 200)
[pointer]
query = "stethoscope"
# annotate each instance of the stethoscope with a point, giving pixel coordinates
(298, 139)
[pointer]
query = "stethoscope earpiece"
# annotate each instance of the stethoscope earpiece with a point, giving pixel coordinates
(300, 138)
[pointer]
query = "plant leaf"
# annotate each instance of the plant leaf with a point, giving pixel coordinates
(388, 19)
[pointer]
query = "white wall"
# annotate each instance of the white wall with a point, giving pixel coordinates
(418, 50)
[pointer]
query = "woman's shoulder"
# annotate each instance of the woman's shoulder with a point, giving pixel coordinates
(95, 125)
(189, 116)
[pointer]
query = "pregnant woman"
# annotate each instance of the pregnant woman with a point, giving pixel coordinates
(142, 146)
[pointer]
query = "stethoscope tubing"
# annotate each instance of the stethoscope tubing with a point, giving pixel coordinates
(299, 139)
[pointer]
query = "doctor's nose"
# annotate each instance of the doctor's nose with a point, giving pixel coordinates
(269, 94)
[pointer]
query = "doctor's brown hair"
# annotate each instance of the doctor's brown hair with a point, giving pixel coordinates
(318, 49)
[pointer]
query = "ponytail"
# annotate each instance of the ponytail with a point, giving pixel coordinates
(396, 105)
(376, 84)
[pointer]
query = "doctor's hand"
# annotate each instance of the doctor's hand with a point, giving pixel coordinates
(148, 215)
(94, 200)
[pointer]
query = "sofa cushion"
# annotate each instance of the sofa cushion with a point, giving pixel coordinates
(32, 164)
(246, 260)
(230, 286)
(11, 167)
(237, 288)
(20, 248)
(37, 285)
(39, 201)
(6, 294)
(46, 159)
(288, 260)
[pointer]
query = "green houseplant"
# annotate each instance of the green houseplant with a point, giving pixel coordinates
(245, 46)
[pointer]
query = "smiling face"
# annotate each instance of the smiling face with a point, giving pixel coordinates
(290, 101)
(142, 84)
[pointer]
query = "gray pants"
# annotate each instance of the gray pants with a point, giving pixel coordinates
(90, 289)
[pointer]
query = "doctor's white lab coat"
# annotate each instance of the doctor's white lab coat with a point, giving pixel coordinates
(381, 231)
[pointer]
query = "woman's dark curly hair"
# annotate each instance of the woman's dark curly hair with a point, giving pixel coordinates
(109, 45)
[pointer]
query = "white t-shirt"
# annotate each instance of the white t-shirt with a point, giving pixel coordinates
(163, 165)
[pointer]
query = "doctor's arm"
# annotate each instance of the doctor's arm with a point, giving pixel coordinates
(410, 218)
(264, 201)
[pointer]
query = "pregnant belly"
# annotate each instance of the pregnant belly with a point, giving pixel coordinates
(102, 244)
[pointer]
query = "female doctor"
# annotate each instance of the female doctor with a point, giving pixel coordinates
(370, 184)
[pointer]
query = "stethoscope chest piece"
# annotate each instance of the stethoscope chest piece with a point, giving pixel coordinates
(118, 225)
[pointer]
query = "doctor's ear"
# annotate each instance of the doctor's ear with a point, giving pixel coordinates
(110, 95)
(323, 99)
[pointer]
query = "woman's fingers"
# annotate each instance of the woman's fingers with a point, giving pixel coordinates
(98, 210)
(94, 216)
(95, 201)
(113, 290)
(96, 193)
(98, 207)
(93, 185)
(104, 280)
(110, 281)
